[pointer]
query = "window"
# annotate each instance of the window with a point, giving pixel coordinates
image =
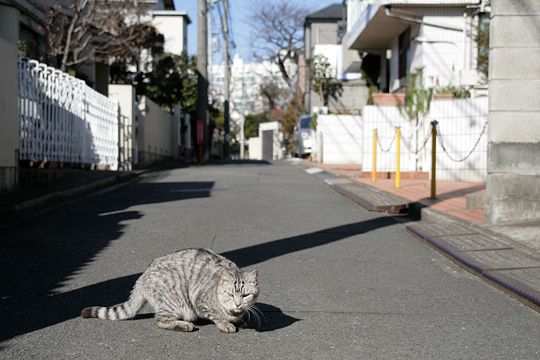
(404, 45)
(305, 122)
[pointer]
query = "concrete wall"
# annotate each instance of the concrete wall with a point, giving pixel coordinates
(125, 95)
(462, 127)
(154, 135)
(513, 185)
(339, 139)
(9, 120)
(255, 150)
(353, 98)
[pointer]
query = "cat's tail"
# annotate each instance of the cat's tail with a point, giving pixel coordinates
(123, 311)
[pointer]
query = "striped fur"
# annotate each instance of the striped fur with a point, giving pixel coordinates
(123, 311)
(186, 285)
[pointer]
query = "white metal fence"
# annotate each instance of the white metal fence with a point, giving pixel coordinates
(63, 120)
(461, 141)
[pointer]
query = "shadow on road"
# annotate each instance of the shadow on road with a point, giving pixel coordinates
(39, 255)
(272, 319)
(255, 254)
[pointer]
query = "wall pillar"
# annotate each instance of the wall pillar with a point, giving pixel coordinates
(9, 120)
(513, 185)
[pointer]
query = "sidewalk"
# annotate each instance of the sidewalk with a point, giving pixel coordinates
(512, 262)
(451, 195)
(40, 188)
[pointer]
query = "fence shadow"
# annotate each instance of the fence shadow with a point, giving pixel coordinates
(39, 254)
(38, 263)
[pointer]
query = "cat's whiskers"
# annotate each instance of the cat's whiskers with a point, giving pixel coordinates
(256, 312)
(259, 311)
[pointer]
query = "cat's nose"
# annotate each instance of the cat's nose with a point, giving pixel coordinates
(238, 305)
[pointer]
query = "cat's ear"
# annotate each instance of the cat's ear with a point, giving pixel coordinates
(225, 277)
(251, 277)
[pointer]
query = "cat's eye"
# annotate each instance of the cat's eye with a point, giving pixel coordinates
(230, 295)
(246, 295)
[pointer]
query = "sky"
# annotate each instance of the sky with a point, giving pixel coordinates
(240, 23)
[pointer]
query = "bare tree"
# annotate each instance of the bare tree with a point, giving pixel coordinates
(277, 32)
(271, 91)
(79, 30)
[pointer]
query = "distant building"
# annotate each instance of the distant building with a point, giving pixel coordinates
(323, 35)
(436, 35)
(172, 24)
(245, 84)
(25, 22)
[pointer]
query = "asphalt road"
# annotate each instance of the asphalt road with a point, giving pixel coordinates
(337, 282)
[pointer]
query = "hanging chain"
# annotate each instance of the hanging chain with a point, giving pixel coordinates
(470, 152)
(389, 146)
(426, 139)
(428, 136)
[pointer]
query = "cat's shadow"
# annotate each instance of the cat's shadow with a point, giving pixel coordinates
(273, 318)
(270, 318)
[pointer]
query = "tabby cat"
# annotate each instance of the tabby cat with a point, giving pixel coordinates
(186, 285)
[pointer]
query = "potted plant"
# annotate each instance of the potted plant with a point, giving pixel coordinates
(450, 92)
(388, 99)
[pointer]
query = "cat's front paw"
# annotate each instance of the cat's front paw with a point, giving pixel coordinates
(226, 327)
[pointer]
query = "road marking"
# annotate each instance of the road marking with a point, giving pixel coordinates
(314, 170)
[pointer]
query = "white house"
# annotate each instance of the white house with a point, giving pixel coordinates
(172, 24)
(438, 35)
(322, 36)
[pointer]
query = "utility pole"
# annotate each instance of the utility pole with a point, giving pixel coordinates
(203, 147)
(226, 115)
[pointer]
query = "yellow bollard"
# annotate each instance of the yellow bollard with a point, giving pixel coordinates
(374, 166)
(433, 160)
(398, 158)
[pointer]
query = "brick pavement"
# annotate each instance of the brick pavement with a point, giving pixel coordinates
(451, 195)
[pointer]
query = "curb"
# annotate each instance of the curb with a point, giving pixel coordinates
(508, 282)
(66, 194)
(83, 189)
(334, 181)
(398, 209)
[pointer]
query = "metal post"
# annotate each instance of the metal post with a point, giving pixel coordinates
(242, 137)
(398, 158)
(433, 194)
(226, 115)
(374, 166)
(202, 78)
